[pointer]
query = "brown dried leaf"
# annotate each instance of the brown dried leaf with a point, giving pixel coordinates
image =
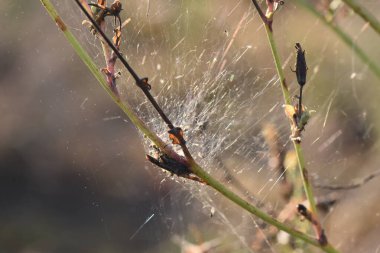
(290, 111)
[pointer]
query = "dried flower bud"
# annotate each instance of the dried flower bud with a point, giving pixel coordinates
(301, 66)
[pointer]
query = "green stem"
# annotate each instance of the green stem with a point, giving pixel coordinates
(196, 169)
(256, 211)
(305, 178)
(297, 146)
(124, 106)
(277, 63)
(364, 13)
(344, 37)
(287, 99)
(199, 171)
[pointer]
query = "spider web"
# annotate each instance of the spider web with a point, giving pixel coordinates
(211, 71)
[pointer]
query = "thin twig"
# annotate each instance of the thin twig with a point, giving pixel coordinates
(287, 99)
(124, 106)
(297, 146)
(260, 11)
(142, 83)
(353, 185)
(196, 169)
(302, 210)
(175, 133)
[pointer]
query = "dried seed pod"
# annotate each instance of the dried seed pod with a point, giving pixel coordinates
(301, 72)
(301, 66)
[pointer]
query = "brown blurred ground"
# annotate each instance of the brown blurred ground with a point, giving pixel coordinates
(67, 154)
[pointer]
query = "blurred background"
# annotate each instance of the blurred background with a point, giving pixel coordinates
(73, 174)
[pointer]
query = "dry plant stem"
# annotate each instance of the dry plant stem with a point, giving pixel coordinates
(280, 72)
(110, 57)
(297, 146)
(287, 99)
(364, 13)
(85, 4)
(302, 210)
(127, 109)
(255, 211)
(261, 13)
(141, 82)
(197, 170)
(351, 186)
(344, 37)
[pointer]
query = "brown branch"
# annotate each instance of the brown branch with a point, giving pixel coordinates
(260, 11)
(304, 212)
(175, 133)
(142, 83)
(86, 6)
(110, 58)
(271, 8)
(352, 185)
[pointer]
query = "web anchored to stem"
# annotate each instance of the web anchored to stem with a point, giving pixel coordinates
(182, 166)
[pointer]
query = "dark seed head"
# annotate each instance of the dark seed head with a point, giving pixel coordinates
(301, 66)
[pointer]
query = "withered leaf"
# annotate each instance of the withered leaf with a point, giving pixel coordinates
(290, 111)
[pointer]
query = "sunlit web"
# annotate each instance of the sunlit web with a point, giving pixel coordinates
(211, 71)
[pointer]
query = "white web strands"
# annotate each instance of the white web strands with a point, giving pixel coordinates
(212, 73)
